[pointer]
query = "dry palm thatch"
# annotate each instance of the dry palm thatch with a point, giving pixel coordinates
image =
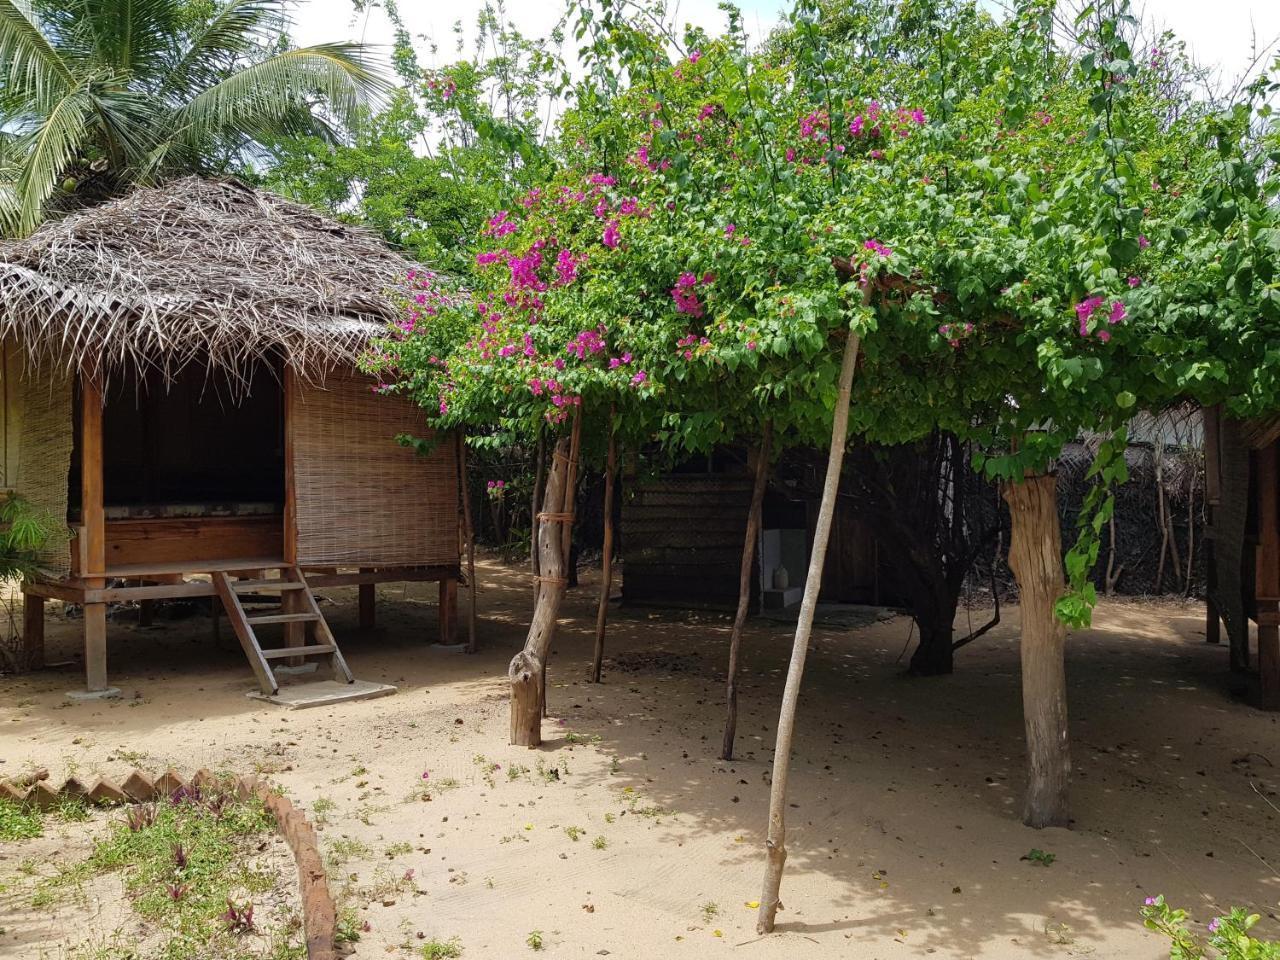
(208, 272)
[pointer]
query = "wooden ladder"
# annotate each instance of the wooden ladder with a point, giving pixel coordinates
(290, 581)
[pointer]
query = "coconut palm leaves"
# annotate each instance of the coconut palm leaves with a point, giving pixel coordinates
(97, 95)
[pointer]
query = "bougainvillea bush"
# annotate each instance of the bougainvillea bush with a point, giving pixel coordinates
(1031, 236)
(1047, 241)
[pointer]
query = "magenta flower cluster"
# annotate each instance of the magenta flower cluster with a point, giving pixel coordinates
(685, 293)
(1087, 308)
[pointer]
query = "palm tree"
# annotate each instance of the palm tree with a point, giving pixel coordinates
(99, 95)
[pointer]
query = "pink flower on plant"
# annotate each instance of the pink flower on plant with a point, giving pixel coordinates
(1143, 242)
(639, 378)
(729, 229)
(695, 56)
(877, 247)
(1117, 312)
(1135, 281)
(1104, 335)
(611, 236)
(707, 110)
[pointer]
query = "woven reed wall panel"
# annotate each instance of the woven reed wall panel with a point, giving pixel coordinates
(362, 499)
(44, 453)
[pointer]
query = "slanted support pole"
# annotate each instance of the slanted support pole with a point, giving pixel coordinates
(93, 520)
(744, 586)
(606, 564)
(1267, 575)
(469, 532)
(775, 843)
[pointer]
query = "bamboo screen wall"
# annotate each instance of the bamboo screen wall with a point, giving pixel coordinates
(362, 499)
(37, 441)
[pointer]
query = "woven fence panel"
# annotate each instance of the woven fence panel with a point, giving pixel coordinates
(362, 498)
(44, 454)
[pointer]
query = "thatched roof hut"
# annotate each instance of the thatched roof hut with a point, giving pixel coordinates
(180, 382)
(198, 271)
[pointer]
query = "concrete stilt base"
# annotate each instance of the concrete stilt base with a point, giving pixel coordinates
(110, 693)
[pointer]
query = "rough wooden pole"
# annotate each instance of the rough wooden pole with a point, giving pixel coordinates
(1035, 557)
(775, 845)
(761, 454)
(606, 563)
(469, 531)
(528, 666)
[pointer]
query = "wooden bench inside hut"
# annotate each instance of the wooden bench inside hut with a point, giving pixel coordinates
(181, 384)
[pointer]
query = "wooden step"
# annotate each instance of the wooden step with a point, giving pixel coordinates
(252, 586)
(309, 651)
(284, 618)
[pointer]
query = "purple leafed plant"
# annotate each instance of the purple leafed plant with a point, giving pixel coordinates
(239, 917)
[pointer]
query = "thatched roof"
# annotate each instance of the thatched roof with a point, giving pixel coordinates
(195, 271)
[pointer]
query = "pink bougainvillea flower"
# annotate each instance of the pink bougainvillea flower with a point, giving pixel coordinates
(639, 378)
(877, 247)
(1117, 312)
(612, 237)
(1104, 335)
(1135, 281)
(1143, 242)
(695, 56)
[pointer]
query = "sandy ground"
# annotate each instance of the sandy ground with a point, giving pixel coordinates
(905, 836)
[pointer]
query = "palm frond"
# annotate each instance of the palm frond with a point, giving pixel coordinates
(46, 154)
(131, 37)
(30, 66)
(266, 95)
(233, 31)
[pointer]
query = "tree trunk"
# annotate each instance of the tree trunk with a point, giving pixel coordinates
(775, 845)
(606, 562)
(528, 667)
(762, 453)
(1035, 556)
(470, 531)
(935, 609)
(539, 473)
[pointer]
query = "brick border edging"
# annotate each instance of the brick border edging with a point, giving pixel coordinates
(319, 913)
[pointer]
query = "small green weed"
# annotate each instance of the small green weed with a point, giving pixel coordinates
(534, 940)
(599, 843)
(442, 949)
(573, 833)
(19, 823)
(1039, 856)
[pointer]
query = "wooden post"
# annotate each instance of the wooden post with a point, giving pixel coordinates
(469, 531)
(1035, 557)
(1267, 578)
(606, 562)
(32, 631)
(291, 601)
(368, 598)
(775, 844)
(744, 586)
(448, 611)
(93, 521)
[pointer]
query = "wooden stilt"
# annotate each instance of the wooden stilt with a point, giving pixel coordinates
(368, 604)
(93, 520)
(32, 631)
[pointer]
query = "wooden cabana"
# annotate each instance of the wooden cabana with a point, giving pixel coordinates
(1242, 473)
(180, 383)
